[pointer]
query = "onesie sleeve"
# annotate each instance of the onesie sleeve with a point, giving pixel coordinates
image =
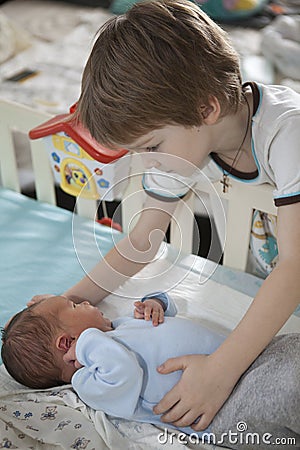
(166, 186)
(111, 378)
(169, 305)
(284, 158)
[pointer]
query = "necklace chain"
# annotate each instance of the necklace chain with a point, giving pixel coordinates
(225, 179)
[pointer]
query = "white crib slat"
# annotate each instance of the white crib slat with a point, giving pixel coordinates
(86, 208)
(239, 217)
(242, 200)
(44, 182)
(261, 197)
(239, 202)
(219, 208)
(8, 165)
(134, 196)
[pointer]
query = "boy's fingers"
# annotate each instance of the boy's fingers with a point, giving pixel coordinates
(38, 298)
(172, 364)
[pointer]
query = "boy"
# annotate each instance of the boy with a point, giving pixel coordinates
(112, 365)
(163, 79)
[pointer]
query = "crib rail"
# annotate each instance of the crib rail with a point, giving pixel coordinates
(15, 117)
(239, 202)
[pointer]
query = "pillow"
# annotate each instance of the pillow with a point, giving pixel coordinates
(280, 44)
(12, 39)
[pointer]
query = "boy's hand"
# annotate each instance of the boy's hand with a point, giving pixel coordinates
(70, 356)
(151, 308)
(200, 393)
(38, 298)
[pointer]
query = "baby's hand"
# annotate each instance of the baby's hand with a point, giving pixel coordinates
(151, 308)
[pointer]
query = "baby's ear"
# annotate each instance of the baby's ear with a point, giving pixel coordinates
(64, 342)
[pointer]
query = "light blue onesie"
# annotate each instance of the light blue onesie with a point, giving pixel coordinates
(119, 375)
(120, 378)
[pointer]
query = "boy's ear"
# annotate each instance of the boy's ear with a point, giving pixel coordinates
(64, 341)
(210, 113)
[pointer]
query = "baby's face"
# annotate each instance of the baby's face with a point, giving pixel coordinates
(74, 317)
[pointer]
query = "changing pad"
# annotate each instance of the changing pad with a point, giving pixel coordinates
(47, 249)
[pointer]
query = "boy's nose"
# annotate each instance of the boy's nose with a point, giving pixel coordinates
(86, 302)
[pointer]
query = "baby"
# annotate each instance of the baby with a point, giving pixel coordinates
(112, 365)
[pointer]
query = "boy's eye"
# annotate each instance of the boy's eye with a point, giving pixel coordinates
(154, 148)
(74, 305)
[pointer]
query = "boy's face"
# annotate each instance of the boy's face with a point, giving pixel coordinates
(174, 148)
(75, 318)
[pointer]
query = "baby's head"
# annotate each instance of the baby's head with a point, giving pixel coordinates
(154, 66)
(36, 339)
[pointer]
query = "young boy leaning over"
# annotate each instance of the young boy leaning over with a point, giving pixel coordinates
(112, 365)
(163, 80)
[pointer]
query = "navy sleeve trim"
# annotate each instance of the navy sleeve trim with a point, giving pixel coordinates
(163, 198)
(282, 201)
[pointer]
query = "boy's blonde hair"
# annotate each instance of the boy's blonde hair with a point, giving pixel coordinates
(28, 349)
(154, 66)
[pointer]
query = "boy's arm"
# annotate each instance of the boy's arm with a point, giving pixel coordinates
(207, 381)
(129, 255)
(111, 377)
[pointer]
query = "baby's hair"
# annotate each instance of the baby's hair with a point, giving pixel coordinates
(156, 65)
(28, 349)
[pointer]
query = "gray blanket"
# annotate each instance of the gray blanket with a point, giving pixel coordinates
(263, 411)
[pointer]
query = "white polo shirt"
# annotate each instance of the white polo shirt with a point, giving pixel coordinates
(275, 129)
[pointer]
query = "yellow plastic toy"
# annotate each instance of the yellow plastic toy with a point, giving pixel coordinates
(81, 165)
